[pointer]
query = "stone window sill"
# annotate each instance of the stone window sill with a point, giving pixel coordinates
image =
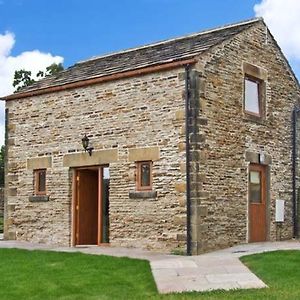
(39, 198)
(143, 195)
(255, 119)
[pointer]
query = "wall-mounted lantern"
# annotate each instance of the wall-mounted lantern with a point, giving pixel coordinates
(85, 144)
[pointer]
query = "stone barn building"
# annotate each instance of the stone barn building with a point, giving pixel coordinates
(182, 145)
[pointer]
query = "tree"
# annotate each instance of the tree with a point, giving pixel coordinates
(23, 78)
(2, 153)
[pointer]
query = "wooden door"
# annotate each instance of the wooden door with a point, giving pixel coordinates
(104, 215)
(257, 203)
(87, 207)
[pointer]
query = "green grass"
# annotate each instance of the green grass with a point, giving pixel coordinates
(53, 275)
(280, 270)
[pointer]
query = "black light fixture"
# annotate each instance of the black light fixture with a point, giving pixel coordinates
(85, 144)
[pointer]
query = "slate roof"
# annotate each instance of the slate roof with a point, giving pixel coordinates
(149, 55)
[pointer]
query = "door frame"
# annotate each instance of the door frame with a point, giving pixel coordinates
(74, 217)
(266, 172)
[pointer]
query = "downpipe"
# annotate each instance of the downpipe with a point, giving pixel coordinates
(187, 151)
(294, 171)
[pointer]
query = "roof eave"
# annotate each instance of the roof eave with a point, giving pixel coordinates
(101, 79)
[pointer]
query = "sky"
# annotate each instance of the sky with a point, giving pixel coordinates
(36, 33)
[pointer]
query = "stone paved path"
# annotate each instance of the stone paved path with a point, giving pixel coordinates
(215, 270)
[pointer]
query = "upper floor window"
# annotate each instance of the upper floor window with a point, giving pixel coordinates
(144, 175)
(252, 97)
(40, 182)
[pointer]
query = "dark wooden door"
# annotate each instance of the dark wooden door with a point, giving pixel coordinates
(257, 203)
(87, 207)
(105, 205)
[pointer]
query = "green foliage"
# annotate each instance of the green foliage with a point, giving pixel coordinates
(54, 69)
(23, 78)
(2, 153)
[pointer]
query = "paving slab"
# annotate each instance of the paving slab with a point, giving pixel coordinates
(216, 270)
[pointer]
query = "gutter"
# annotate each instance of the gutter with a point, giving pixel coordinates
(294, 170)
(187, 152)
(105, 78)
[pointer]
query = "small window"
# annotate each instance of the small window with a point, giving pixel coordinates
(255, 187)
(40, 182)
(252, 97)
(144, 175)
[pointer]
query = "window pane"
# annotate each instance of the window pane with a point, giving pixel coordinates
(106, 173)
(145, 174)
(255, 187)
(251, 96)
(254, 177)
(42, 181)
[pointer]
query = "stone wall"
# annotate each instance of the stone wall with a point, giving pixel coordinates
(1, 201)
(231, 140)
(148, 112)
(145, 111)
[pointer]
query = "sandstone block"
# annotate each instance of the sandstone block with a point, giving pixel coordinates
(180, 187)
(39, 163)
(144, 153)
(180, 114)
(98, 157)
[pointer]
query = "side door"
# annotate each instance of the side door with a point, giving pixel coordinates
(257, 203)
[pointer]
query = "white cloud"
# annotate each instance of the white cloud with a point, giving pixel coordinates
(30, 60)
(283, 19)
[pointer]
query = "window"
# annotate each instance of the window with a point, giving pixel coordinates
(144, 175)
(40, 182)
(252, 97)
(255, 187)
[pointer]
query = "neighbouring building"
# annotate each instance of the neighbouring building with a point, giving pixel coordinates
(189, 145)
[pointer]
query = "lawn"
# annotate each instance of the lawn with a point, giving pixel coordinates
(53, 275)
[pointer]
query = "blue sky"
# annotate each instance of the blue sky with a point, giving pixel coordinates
(35, 33)
(78, 29)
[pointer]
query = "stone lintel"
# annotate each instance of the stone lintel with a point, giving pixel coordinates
(142, 154)
(254, 71)
(39, 163)
(83, 159)
(254, 157)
